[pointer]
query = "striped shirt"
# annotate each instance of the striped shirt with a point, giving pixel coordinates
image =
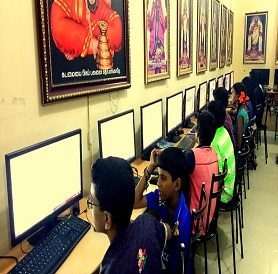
(224, 148)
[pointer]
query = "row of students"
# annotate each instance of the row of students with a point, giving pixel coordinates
(151, 244)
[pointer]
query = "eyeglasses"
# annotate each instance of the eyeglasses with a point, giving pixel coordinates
(91, 204)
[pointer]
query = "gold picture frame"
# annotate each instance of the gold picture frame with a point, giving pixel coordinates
(276, 56)
(157, 40)
(185, 37)
(70, 59)
(230, 38)
(202, 35)
(214, 34)
(255, 38)
(223, 37)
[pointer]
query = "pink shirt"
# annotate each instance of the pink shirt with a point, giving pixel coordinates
(206, 163)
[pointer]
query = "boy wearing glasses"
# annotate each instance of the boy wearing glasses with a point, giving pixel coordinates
(135, 247)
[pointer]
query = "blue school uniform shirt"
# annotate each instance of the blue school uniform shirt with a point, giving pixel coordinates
(180, 225)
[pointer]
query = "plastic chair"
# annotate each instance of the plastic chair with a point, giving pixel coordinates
(196, 232)
(212, 227)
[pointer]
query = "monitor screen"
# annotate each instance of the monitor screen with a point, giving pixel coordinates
(188, 105)
(151, 126)
(117, 136)
(231, 78)
(202, 95)
(276, 77)
(212, 86)
(220, 81)
(173, 112)
(43, 180)
(227, 81)
(264, 76)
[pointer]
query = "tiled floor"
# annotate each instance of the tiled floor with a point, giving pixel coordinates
(260, 232)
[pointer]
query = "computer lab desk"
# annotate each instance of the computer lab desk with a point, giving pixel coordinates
(85, 257)
(89, 252)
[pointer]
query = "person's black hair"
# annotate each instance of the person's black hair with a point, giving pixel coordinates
(238, 87)
(256, 76)
(221, 94)
(114, 188)
(250, 89)
(206, 127)
(172, 160)
(219, 112)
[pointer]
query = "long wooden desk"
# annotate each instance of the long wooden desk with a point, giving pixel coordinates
(85, 257)
(89, 252)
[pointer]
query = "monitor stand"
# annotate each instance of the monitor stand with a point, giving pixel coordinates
(174, 138)
(40, 234)
(188, 124)
(146, 155)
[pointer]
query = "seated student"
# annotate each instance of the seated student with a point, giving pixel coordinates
(167, 201)
(224, 148)
(251, 103)
(201, 162)
(239, 99)
(135, 247)
(256, 77)
(221, 94)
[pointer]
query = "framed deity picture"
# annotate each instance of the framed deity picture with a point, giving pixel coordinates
(80, 55)
(202, 35)
(223, 36)
(230, 38)
(157, 40)
(185, 36)
(214, 34)
(276, 56)
(255, 38)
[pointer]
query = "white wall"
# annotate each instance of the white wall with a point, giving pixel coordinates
(25, 121)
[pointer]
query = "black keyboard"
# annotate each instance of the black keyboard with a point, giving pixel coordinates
(187, 142)
(51, 252)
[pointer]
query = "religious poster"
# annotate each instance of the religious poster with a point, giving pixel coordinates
(83, 46)
(230, 38)
(157, 44)
(223, 36)
(202, 35)
(214, 34)
(255, 38)
(185, 36)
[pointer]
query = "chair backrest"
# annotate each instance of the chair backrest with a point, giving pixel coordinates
(268, 105)
(196, 231)
(216, 194)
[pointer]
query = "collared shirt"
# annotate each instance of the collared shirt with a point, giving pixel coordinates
(180, 225)
(137, 249)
